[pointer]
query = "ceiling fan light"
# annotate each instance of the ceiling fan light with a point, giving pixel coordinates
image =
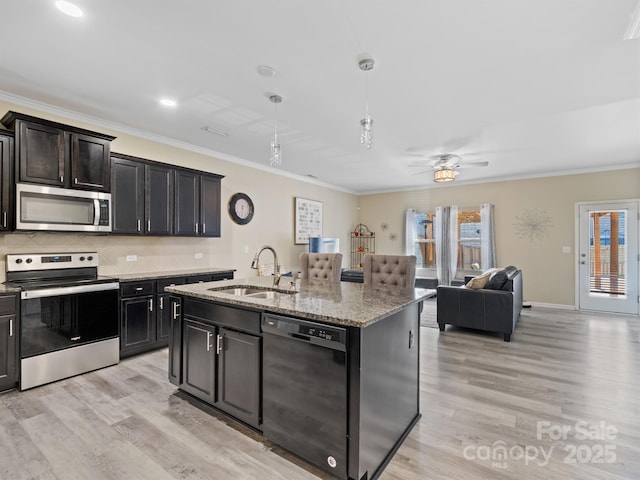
(444, 175)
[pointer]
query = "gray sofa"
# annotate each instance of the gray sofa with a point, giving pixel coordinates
(495, 308)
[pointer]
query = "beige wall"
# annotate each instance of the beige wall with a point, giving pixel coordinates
(273, 197)
(548, 272)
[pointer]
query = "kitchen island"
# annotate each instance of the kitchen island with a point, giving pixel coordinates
(330, 372)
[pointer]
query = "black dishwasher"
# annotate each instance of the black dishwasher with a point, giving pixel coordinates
(305, 390)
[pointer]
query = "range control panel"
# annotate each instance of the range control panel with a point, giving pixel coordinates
(48, 261)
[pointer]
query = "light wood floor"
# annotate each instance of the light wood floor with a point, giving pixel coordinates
(478, 394)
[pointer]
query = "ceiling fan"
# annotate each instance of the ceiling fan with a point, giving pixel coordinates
(445, 166)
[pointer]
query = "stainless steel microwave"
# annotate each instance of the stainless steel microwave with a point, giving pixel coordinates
(54, 209)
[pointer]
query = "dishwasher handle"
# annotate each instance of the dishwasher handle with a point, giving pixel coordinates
(327, 336)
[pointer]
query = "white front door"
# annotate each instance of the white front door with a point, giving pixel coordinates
(608, 257)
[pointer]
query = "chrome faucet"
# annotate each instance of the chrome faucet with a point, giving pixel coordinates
(276, 266)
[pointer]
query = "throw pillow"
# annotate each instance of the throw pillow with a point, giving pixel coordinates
(480, 281)
(497, 281)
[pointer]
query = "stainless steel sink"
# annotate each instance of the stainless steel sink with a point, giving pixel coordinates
(266, 293)
(269, 295)
(239, 291)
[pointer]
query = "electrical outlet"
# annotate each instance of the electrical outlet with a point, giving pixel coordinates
(246, 249)
(199, 255)
(566, 249)
(132, 258)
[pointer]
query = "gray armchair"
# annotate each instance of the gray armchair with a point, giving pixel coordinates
(321, 266)
(394, 270)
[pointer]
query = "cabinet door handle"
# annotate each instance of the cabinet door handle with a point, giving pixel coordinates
(11, 327)
(161, 303)
(196, 227)
(138, 224)
(4, 219)
(138, 289)
(175, 310)
(219, 344)
(75, 180)
(204, 228)
(208, 341)
(410, 339)
(151, 304)
(148, 225)
(61, 179)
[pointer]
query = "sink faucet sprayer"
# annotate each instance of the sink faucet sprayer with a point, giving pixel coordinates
(276, 266)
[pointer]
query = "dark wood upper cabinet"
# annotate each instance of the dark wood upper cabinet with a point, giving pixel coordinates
(210, 207)
(41, 154)
(6, 181)
(90, 162)
(152, 198)
(51, 153)
(142, 196)
(158, 200)
(127, 186)
(197, 204)
(187, 221)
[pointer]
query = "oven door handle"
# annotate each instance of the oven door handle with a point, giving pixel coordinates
(53, 292)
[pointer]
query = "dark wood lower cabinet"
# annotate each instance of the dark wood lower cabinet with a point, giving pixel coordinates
(175, 342)
(163, 316)
(8, 342)
(221, 358)
(239, 362)
(199, 360)
(138, 323)
(147, 310)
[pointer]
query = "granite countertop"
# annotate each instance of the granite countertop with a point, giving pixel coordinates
(131, 277)
(9, 288)
(344, 303)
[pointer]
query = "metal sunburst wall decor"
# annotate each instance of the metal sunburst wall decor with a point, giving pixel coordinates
(533, 225)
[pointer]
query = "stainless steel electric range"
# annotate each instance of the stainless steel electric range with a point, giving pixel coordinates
(69, 315)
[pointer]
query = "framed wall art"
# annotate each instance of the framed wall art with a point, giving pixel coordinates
(308, 220)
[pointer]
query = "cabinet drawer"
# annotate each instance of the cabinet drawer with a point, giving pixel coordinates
(7, 304)
(137, 288)
(235, 318)
(165, 282)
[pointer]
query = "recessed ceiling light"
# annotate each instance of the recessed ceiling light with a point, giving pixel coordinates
(69, 8)
(168, 102)
(266, 71)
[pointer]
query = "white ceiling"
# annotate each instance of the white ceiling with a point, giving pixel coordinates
(535, 88)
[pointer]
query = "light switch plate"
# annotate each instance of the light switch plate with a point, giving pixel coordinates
(199, 255)
(132, 258)
(566, 249)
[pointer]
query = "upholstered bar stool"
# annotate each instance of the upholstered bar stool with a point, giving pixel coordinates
(392, 270)
(321, 266)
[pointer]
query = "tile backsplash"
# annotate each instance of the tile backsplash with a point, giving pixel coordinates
(153, 254)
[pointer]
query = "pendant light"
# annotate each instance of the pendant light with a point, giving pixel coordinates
(276, 153)
(366, 135)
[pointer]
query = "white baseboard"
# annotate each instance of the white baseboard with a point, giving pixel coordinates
(558, 306)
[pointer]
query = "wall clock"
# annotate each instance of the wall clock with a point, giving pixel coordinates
(240, 208)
